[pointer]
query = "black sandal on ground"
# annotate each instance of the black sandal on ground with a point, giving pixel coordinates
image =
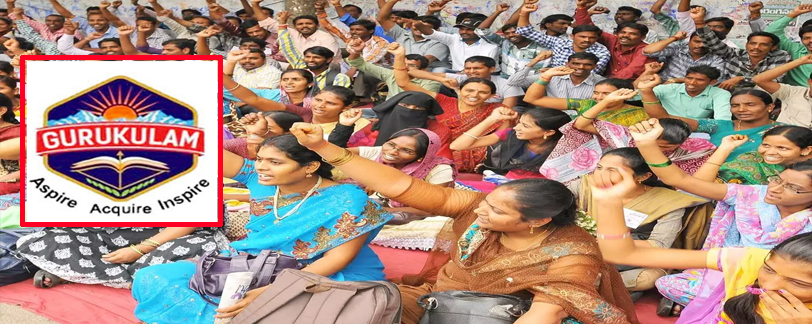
(39, 279)
(666, 308)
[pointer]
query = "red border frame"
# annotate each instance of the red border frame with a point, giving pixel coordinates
(201, 114)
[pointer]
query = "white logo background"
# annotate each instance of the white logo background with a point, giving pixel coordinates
(194, 83)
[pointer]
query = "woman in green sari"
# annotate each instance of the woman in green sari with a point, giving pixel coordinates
(622, 112)
(751, 108)
(781, 146)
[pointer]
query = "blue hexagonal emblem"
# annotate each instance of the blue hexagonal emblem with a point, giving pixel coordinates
(120, 139)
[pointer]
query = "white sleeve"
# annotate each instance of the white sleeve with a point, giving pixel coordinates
(369, 152)
(65, 45)
(440, 174)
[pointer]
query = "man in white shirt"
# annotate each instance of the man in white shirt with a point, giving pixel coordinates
(462, 46)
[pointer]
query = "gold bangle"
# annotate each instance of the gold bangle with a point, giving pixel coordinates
(345, 157)
(471, 136)
(234, 88)
(711, 163)
(151, 243)
(585, 117)
(651, 102)
(136, 249)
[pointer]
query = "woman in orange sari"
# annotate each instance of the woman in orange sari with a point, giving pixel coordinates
(519, 239)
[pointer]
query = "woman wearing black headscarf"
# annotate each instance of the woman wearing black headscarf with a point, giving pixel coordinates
(409, 109)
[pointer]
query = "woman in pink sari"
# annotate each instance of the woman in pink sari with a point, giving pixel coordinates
(582, 145)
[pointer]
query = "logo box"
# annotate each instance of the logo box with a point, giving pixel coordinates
(130, 141)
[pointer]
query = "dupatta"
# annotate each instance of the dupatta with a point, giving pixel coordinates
(330, 217)
(577, 152)
(420, 170)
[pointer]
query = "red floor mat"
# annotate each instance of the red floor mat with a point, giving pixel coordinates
(84, 304)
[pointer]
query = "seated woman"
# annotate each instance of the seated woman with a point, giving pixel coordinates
(324, 109)
(751, 109)
(782, 146)
(519, 239)
(621, 112)
(330, 238)
(658, 211)
(10, 139)
(295, 88)
(745, 216)
(410, 109)
(585, 139)
(518, 152)
(459, 115)
(111, 255)
(756, 285)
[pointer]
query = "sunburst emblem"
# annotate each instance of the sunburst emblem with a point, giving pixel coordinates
(113, 106)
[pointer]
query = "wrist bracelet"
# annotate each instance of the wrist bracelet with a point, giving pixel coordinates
(321, 146)
(585, 117)
(660, 165)
(471, 136)
(651, 102)
(711, 163)
(613, 237)
(234, 88)
(151, 243)
(542, 82)
(136, 249)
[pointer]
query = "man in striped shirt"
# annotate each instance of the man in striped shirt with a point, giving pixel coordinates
(584, 39)
(679, 56)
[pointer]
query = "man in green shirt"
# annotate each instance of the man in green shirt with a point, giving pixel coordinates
(799, 75)
(413, 61)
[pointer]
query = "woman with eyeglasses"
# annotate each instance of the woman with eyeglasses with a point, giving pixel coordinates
(757, 216)
(413, 151)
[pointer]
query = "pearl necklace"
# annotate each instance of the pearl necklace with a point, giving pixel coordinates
(276, 198)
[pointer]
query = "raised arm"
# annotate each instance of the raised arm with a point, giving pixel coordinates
(537, 93)
(202, 44)
(127, 46)
(661, 45)
(401, 74)
(385, 14)
(500, 8)
(614, 238)
(113, 19)
(766, 79)
(249, 97)
(325, 23)
(155, 5)
(710, 169)
(645, 134)
(585, 119)
(340, 11)
(61, 10)
(582, 15)
(386, 180)
(473, 138)
(657, 7)
(652, 104)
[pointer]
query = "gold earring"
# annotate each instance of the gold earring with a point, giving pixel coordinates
(545, 136)
(531, 229)
(419, 160)
(309, 175)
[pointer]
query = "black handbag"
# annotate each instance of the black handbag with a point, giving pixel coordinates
(469, 307)
(13, 266)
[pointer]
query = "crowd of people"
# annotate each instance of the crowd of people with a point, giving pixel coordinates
(579, 167)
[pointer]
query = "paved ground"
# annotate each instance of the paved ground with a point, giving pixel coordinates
(10, 314)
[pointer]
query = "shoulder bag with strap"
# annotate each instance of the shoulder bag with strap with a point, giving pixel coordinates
(305, 298)
(14, 267)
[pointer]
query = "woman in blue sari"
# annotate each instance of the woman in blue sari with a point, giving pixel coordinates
(326, 225)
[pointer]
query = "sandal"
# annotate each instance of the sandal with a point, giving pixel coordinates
(668, 308)
(41, 275)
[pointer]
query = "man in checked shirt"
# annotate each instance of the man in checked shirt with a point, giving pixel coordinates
(760, 54)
